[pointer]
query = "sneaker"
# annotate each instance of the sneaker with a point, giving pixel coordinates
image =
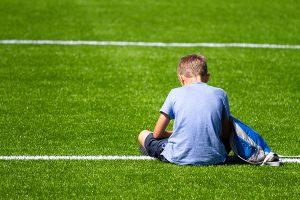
(272, 159)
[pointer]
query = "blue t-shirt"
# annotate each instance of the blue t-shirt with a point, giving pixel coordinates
(198, 110)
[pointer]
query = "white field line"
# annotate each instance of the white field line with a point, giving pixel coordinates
(149, 44)
(285, 159)
(57, 157)
(289, 160)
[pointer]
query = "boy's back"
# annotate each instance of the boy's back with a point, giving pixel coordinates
(198, 110)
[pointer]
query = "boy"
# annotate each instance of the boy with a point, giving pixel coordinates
(201, 114)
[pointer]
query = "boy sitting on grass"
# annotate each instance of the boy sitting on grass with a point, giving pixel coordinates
(201, 114)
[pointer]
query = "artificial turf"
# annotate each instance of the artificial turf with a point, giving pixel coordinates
(145, 180)
(82, 100)
(256, 21)
(95, 100)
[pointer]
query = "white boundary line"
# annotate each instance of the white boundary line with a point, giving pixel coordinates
(57, 157)
(283, 159)
(289, 160)
(149, 44)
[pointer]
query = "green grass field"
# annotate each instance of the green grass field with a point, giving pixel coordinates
(94, 100)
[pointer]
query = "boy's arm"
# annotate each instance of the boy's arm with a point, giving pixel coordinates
(225, 134)
(160, 127)
(226, 124)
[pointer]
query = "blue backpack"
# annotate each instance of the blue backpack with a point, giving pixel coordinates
(247, 144)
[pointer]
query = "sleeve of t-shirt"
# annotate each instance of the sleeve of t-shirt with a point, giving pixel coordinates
(226, 109)
(167, 107)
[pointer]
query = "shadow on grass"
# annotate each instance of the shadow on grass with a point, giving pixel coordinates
(234, 160)
(231, 159)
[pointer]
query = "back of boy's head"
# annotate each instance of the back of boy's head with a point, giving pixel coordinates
(192, 66)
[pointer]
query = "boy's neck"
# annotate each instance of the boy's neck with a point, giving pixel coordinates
(192, 80)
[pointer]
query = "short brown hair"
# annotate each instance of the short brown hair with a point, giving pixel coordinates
(192, 66)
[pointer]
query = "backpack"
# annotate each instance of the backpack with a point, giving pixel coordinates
(247, 144)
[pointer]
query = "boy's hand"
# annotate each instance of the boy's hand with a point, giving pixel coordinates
(160, 127)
